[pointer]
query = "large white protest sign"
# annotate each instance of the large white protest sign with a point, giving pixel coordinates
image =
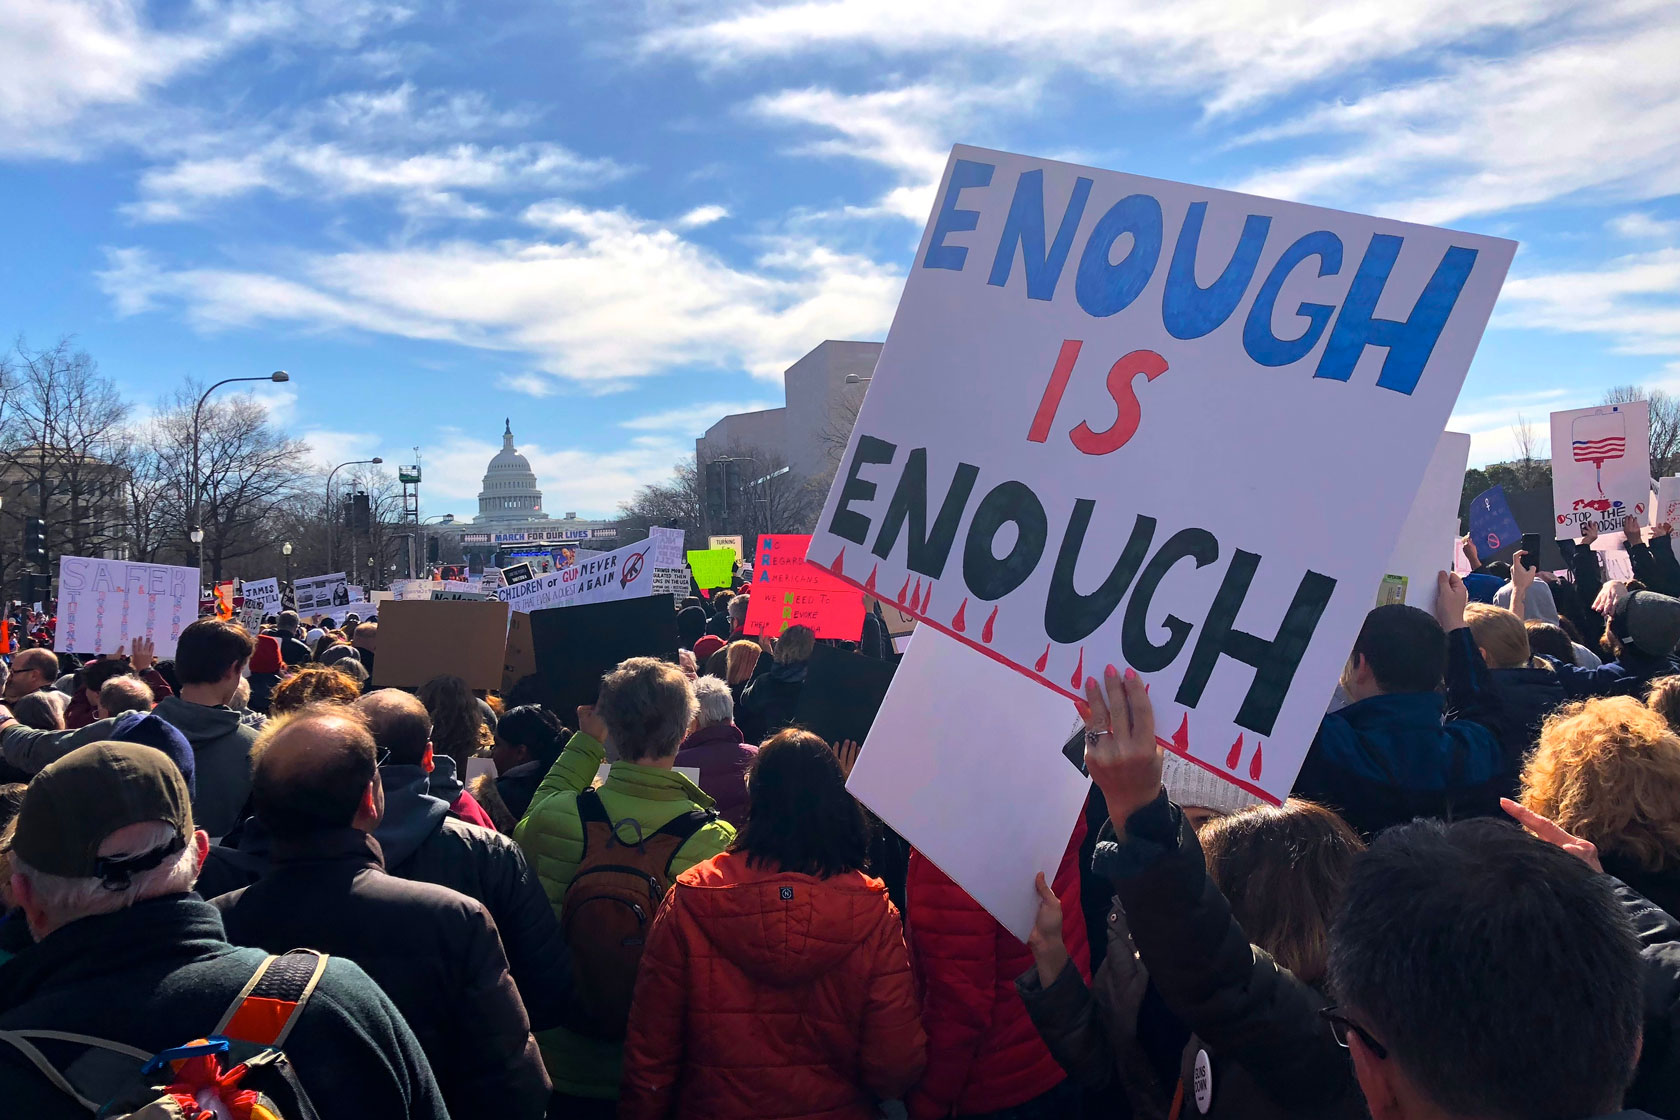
(1601, 468)
(319, 593)
(103, 604)
(1667, 509)
(624, 573)
(1121, 420)
(264, 593)
(964, 747)
(1429, 536)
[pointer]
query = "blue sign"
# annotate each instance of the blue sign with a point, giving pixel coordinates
(1492, 527)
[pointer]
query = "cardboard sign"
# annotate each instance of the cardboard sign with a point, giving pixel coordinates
(461, 596)
(1080, 359)
(842, 693)
(1429, 536)
(517, 573)
(519, 659)
(958, 731)
(264, 593)
(1601, 468)
(422, 640)
(1493, 528)
(712, 567)
(624, 573)
(575, 646)
(733, 541)
(898, 622)
(320, 593)
(103, 604)
(1667, 509)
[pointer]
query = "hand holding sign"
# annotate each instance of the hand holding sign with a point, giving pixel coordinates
(1121, 754)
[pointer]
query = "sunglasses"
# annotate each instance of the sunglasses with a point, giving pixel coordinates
(1341, 1026)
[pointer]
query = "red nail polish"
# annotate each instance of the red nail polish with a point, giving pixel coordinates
(1131, 674)
(1112, 671)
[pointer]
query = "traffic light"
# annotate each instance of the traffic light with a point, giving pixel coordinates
(432, 552)
(37, 587)
(361, 518)
(35, 543)
(731, 483)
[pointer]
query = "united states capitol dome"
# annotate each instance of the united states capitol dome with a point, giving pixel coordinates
(510, 494)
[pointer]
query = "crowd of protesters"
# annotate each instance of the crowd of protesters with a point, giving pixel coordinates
(437, 902)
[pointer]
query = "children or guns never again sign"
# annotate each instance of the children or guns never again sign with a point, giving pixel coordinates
(1121, 420)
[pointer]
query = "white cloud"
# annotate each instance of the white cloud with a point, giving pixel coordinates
(62, 60)
(1229, 55)
(1639, 226)
(605, 298)
(329, 448)
(1633, 300)
(1492, 421)
(908, 130)
(1595, 116)
(695, 419)
(702, 216)
(531, 384)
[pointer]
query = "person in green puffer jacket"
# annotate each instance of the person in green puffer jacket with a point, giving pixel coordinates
(644, 709)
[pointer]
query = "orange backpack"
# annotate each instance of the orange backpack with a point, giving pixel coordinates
(610, 906)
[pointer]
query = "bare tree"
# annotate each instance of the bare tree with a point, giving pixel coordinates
(247, 470)
(65, 448)
(1665, 425)
(1533, 462)
(673, 504)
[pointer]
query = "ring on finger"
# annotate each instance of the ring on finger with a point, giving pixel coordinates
(1091, 737)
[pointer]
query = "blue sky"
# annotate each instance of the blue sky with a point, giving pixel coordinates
(615, 222)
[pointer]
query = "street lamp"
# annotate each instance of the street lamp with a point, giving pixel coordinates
(279, 376)
(286, 551)
(375, 461)
(854, 379)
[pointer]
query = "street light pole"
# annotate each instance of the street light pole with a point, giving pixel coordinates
(279, 376)
(375, 461)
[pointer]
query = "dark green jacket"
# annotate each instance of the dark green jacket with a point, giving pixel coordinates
(161, 973)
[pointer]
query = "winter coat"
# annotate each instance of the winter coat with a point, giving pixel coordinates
(294, 651)
(423, 842)
(552, 836)
(983, 1052)
(1389, 758)
(1269, 1051)
(80, 712)
(722, 756)
(1661, 886)
(770, 699)
(161, 972)
(434, 951)
(262, 690)
(1630, 674)
(1656, 1081)
(443, 783)
(420, 840)
(771, 994)
(519, 785)
(1528, 696)
(221, 755)
(1113, 1033)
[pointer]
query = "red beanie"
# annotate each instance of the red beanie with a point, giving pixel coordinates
(707, 646)
(266, 659)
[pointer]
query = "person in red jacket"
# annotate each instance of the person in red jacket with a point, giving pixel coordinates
(984, 1054)
(775, 982)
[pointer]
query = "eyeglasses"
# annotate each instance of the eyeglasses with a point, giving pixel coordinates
(383, 757)
(1341, 1026)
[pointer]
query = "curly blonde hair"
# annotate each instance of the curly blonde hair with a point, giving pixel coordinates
(1608, 770)
(314, 685)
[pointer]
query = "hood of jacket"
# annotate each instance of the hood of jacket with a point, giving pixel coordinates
(788, 672)
(198, 722)
(442, 782)
(411, 814)
(780, 928)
